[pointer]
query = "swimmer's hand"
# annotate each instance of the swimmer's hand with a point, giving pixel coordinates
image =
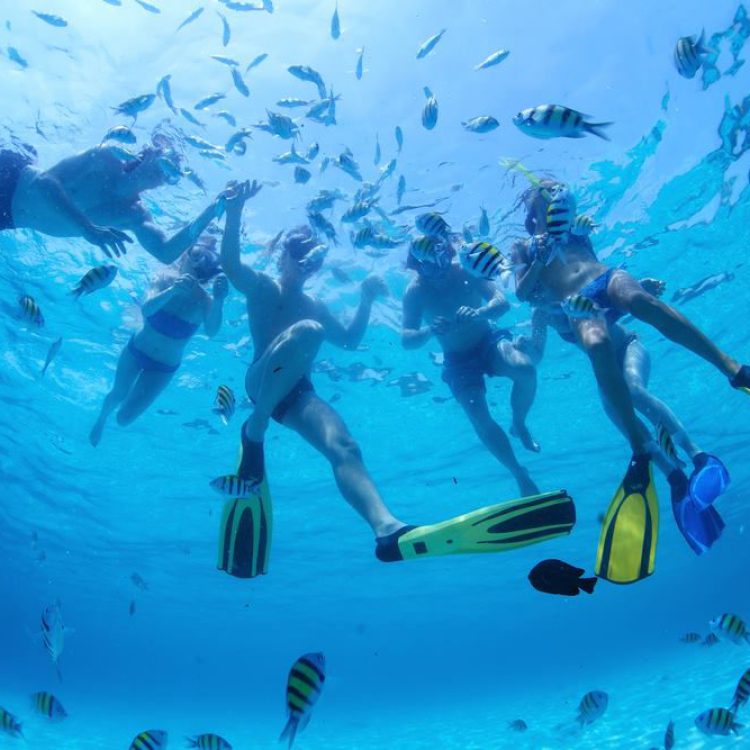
(112, 241)
(654, 287)
(440, 325)
(373, 287)
(185, 284)
(466, 314)
(235, 194)
(543, 247)
(221, 287)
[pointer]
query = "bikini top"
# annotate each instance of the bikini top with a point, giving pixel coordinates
(170, 325)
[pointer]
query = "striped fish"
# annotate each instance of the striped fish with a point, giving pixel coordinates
(578, 306)
(151, 739)
(430, 111)
(741, 692)
(209, 742)
(424, 249)
(691, 638)
(669, 736)
(356, 212)
(731, 627)
(592, 707)
(30, 311)
(483, 260)
(481, 124)
(9, 724)
(433, 224)
(667, 445)
(47, 705)
(225, 403)
(689, 54)
(583, 226)
(710, 640)
(303, 689)
(561, 212)
(557, 121)
(94, 280)
(717, 721)
(53, 633)
(232, 486)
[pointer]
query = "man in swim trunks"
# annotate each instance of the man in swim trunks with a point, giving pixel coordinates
(26, 193)
(567, 271)
(288, 328)
(104, 185)
(459, 308)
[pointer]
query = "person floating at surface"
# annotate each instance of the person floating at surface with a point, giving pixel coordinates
(459, 308)
(560, 266)
(29, 197)
(104, 185)
(288, 327)
(173, 313)
(698, 522)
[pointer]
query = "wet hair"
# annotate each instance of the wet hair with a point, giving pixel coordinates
(298, 243)
(201, 261)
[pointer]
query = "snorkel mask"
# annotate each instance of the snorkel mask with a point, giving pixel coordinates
(167, 158)
(202, 260)
(429, 256)
(302, 246)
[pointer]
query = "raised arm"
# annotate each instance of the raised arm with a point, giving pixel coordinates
(215, 306)
(413, 333)
(529, 268)
(242, 277)
(496, 305)
(350, 336)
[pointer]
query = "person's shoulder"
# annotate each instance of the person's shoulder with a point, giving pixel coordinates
(415, 287)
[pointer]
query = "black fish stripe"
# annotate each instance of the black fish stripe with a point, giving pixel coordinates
(307, 681)
(548, 114)
(302, 698)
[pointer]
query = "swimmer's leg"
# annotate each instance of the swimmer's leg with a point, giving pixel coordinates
(127, 371)
(627, 294)
(321, 426)
(474, 403)
(288, 358)
(512, 363)
(144, 392)
(594, 338)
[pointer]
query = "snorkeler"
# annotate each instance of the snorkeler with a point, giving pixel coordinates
(288, 327)
(102, 185)
(459, 308)
(559, 265)
(173, 313)
(700, 526)
(27, 195)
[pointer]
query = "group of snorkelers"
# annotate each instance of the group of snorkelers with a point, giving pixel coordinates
(556, 272)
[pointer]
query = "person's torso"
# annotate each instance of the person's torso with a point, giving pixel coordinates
(570, 270)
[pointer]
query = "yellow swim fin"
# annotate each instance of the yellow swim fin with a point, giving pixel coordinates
(627, 545)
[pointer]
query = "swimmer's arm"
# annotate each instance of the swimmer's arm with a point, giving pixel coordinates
(496, 305)
(528, 272)
(243, 278)
(535, 344)
(413, 333)
(156, 300)
(214, 314)
(168, 249)
(350, 337)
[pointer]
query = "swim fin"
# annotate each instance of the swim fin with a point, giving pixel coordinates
(247, 522)
(700, 526)
(496, 528)
(741, 381)
(627, 545)
(709, 480)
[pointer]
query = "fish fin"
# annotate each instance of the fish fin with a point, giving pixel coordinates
(595, 128)
(290, 731)
(427, 91)
(587, 584)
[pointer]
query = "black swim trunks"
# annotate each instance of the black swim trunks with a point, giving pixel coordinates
(11, 165)
(303, 385)
(465, 370)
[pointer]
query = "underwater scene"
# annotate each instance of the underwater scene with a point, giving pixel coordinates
(375, 375)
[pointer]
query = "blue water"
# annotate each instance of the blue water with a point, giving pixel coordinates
(437, 654)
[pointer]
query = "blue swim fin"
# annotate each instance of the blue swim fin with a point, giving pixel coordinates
(701, 527)
(709, 479)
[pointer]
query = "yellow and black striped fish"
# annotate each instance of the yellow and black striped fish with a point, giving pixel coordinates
(30, 311)
(225, 403)
(95, 279)
(151, 739)
(561, 213)
(667, 445)
(232, 486)
(731, 627)
(557, 121)
(303, 689)
(741, 693)
(717, 721)
(578, 306)
(483, 259)
(424, 249)
(47, 705)
(9, 724)
(433, 224)
(209, 742)
(592, 706)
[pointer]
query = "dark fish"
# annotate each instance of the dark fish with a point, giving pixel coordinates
(518, 725)
(226, 30)
(51, 354)
(45, 704)
(691, 638)
(147, 6)
(197, 12)
(131, 608)
(133, 107)
(360, 64)
(151, 739)
(557, 577)
(50, 19)
(31, 311)
(207, 101)
(399, 138)
(15, 56)
(255, 62)
(97, 278)
(742, 692)
(190, 117)
(711, 640)
(209, 742)
(138, 581)
(592, 707)
(301, 175)
(669, 736)
(304, 685)
(689, 54)
(335, 24)
(227, 117)
(164, 90)
(717, 721)
(9, 723)
(239, 83)
(702, 286)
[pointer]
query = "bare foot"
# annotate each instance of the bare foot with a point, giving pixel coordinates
(96, 433)
(523, 434)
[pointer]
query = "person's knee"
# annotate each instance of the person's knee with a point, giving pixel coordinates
(343, 449)
(307, 333)
(125, 417)
(598, 347)
(641, 303)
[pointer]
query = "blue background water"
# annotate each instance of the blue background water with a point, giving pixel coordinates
(438, 654)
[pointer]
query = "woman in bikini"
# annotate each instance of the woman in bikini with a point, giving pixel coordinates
(176, 308)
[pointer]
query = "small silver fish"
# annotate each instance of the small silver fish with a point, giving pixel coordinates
(335, 24)
(197, 12)
(164, 90)
(239, 83)
(199, 143)
(190, 117)
(226, 29)
(255, 62)
(481, 124)
(290, 157)
(209, 100)
(121, 134)
(51, 354)
(427, 46)
(15, 56)
(224, 60)
(494, 59)
(227, 116)
(306, 73)
(430, 111)
(52, 20)
(147, 6)
(290, 102)
(133, 107)
(359, 69)
(236, 142)
(399, 138)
